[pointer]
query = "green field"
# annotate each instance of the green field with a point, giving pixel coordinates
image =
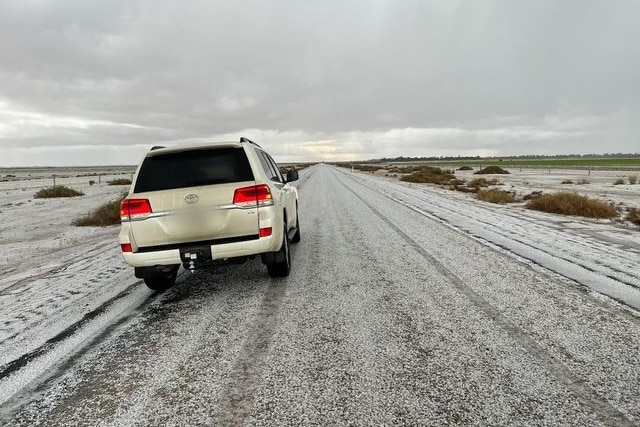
(632, 162)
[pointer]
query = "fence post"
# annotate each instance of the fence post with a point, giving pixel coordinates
(54, 179)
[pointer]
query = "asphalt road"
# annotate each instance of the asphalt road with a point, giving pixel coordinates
(388, 318)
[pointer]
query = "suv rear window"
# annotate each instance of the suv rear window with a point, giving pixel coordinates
(193, 168)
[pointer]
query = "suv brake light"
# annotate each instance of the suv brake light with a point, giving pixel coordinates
(255, 195)
(134, 209)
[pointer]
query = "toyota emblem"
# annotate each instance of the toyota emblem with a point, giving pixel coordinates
(191, 198)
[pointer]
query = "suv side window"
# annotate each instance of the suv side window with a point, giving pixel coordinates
(275, 166)
(271, 172)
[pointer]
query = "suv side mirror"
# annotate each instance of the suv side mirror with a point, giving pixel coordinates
(292, 176)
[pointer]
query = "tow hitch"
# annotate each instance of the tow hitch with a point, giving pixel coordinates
(195, 257)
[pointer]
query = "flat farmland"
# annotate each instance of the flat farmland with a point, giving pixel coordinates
(582, 163)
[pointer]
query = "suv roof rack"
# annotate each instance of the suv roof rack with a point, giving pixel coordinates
(243, 139)
(157, 147)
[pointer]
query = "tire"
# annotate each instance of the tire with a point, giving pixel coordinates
(159, 279)
(296, 237)
(281, 267)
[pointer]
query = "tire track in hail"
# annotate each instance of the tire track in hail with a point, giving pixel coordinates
(90, 254)
(587, 395)
(513, 235)
(411, 192)
(627, 296)
(245, 374)
(517, 237)
(23, 360)
(238, 402)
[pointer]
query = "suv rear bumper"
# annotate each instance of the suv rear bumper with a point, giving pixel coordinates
(150, 258)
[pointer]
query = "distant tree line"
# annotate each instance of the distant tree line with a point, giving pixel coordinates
(521, 157)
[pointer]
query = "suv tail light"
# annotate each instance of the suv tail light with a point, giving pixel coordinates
(266, 232)
(255, 195)
(131, 209)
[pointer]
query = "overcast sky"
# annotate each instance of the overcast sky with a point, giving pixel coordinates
(99, 82)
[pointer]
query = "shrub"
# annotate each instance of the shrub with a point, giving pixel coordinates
(456, 182)
(425, 178)
(476, 184)
(567, 181)
(481, 182)
(120, 181)
(618, 181)
(532, 195)
(464, 189)
(91, 182)
(633, 179)
(107, 214)
(491, 170)
(56, 191)
(465, 168)
(416, 168)
(367, 168)
(448, 171)
(429, 175)
(633, 215)
(572, 204)
(495, 196)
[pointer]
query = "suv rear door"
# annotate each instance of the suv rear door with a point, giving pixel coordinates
(288, 195)
(191, 195)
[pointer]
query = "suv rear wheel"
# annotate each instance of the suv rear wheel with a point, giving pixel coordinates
(281, 265)
(160, 278)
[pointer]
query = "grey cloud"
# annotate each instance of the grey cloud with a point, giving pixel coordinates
(324, 71)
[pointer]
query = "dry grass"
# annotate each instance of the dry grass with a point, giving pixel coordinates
(476, 184)
(633, 215)
(633, 179)
(464, 189)
(57, 191)
(367, 168)
(429, 175)
(456, 182)
(583, 181)
(120, 181)
(495, 196)
(491, 170)
(105, 215)
(481, 183)
(618, 181)
(411, 169)
(532, 195)
(572, 204)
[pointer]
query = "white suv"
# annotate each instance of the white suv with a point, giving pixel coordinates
(200, 204)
